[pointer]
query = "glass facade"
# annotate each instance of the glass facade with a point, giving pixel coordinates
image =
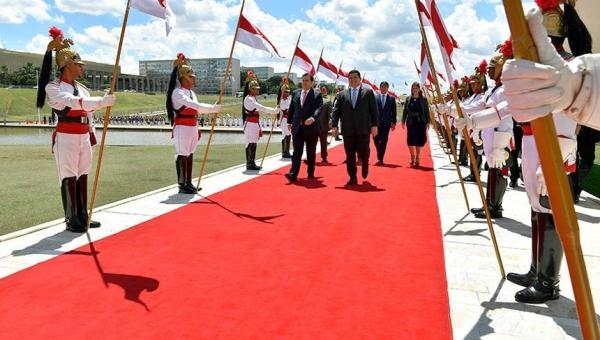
(209, 73)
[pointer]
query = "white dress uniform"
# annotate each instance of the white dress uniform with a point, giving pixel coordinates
(185, 130)
(284, 105)
(565, 129)
(252, 129)
(72, 146)
(497, 138)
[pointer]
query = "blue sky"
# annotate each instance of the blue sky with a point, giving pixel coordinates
(360, 35)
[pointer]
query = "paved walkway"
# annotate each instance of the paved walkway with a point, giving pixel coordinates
(482, 305)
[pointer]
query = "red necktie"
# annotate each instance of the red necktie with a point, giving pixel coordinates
(303, 98)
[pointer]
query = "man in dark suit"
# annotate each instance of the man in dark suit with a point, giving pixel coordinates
(304, 116)
(387, 120)
(325, 123)
(357, 109)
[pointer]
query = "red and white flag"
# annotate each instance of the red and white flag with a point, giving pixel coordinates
(343, 77)
(328, 69)
(303, 61)
(392, 94)
(425, 72)
(445, 39)
(250, 35)
(368, 85)
(157, 8)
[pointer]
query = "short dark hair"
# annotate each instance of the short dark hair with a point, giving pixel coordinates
(355, 72)
(312, 78)
(384, 83)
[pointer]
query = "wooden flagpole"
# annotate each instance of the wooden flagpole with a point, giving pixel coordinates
(439, 93)
(273, 119)
(220, 99)
(319, 66)
(337, 77)
(471, 153)
(434, 121)
(561, 200)
(486, 209)
(115, 76)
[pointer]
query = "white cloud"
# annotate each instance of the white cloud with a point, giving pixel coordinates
(13, 13)
(92, 7)
(38, 44)
(379, 37)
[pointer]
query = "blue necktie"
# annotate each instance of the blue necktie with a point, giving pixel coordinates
(353, 97)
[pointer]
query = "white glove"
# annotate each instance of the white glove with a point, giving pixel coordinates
(568, 150)
(108, 100)
(497, 159)
(465, 122)
(534, 90)
(443, 108)
(542, 190)
(476, 137)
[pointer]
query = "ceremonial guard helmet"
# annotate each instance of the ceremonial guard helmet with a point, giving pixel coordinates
(65, 55)
(503, 53)
(181, 68)
(284, 87)
(479, 75)
(561, 23)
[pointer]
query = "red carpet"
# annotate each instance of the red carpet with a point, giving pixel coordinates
(261, 260)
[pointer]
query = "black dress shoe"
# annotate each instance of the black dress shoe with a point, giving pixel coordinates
(311, 176)
(192, 187)
(493, 214)
(514, 183)
(183, 189)
(538, 292)
(524, 280)
(476, 210)
(253, 167)
(76, 227)
(352, 181)
(470, 178)
(365, 172)
(94, 224)
(291, 177)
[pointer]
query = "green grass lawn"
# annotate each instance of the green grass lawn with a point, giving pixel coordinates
(23, 104)
(592, 182)
(30, 192)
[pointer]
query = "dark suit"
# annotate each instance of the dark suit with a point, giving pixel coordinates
(387, 118)
(303, 134)
(356, 122)
(325, 117)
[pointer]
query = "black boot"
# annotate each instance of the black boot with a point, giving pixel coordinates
(287, 142)
(69, 193)
(283, 148)
(188, 174)
(181, 164)
(545, 287)
(528, 278)
(250, 165)
(248, 157)
(471, 176)
(496, 187)
(462, 154)
(82, 202)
